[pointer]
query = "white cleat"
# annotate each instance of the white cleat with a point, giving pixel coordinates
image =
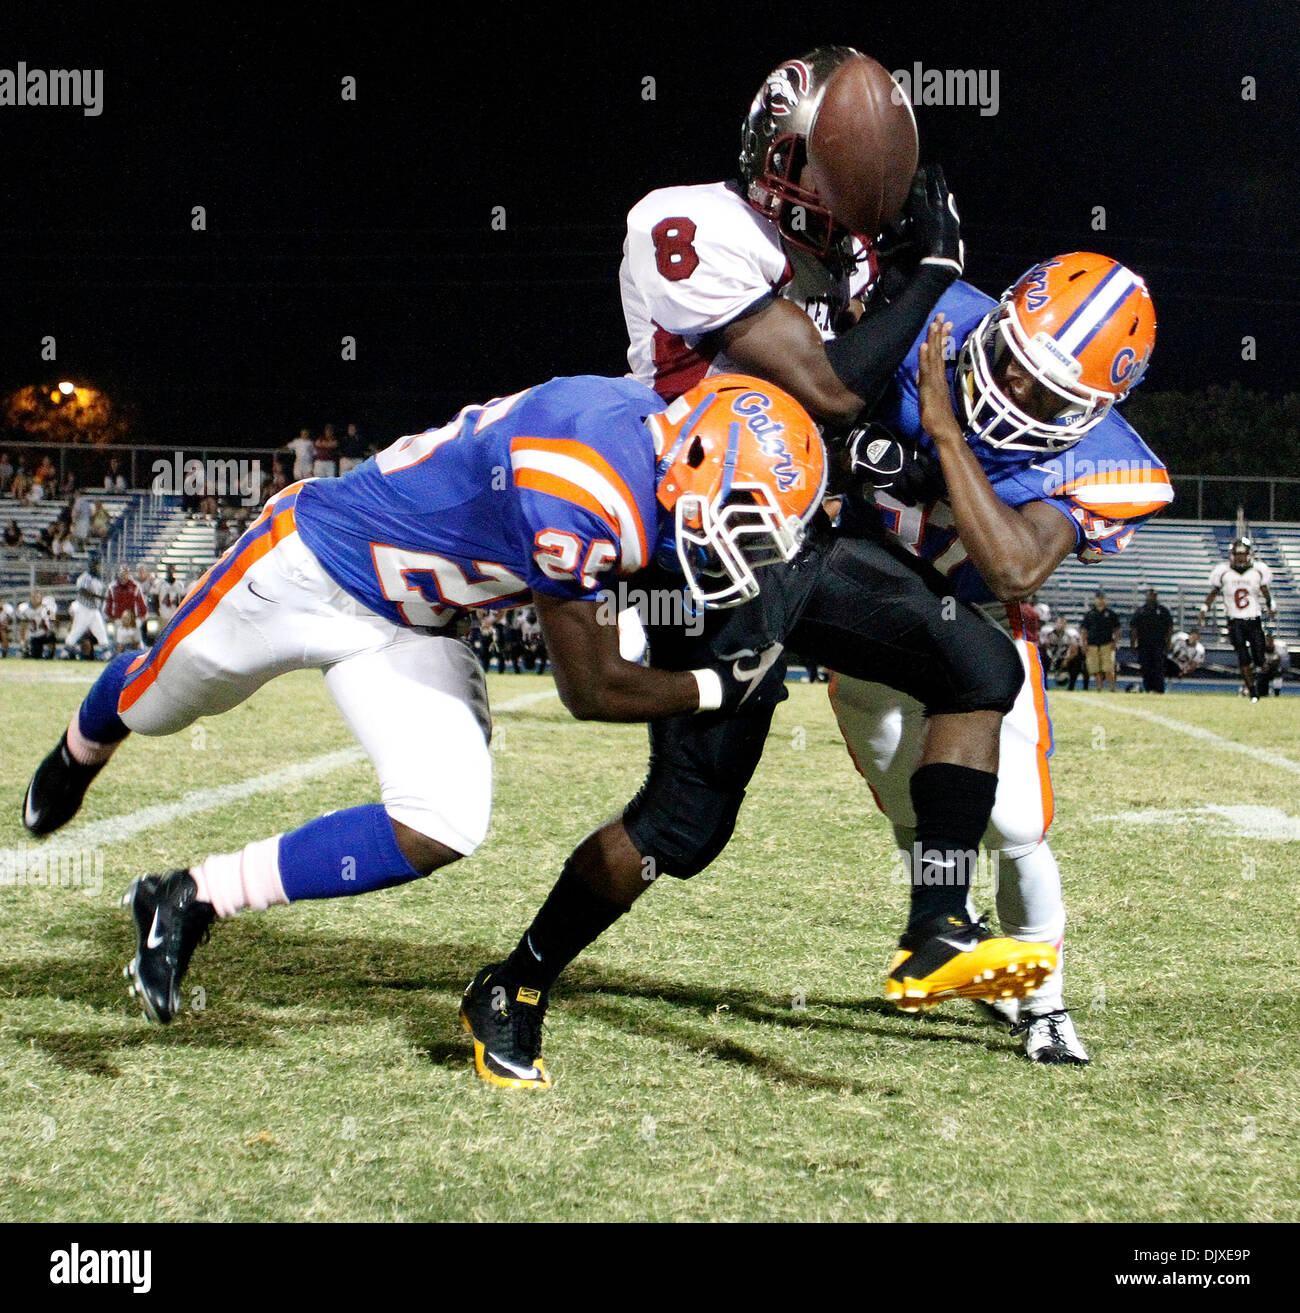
(1050, 1038)
(999, 1012)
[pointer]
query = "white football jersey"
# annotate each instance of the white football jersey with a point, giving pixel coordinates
(1185, 654)
(170, 596)
(695, 259)
(42, 617)
(1060, 643)
(90, 591)
(1241, 596)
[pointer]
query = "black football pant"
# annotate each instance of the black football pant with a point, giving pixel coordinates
(861, 606)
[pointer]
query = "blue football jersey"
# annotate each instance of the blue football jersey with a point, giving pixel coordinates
(1106, 484)
(551, 490)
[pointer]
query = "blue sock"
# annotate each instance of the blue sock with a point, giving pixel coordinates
(98, 719)
(347, 852)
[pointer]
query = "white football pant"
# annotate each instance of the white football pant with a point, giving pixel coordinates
(416, 702)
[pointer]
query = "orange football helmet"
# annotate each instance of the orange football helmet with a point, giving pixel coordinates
(1083, 325)
(741, 469)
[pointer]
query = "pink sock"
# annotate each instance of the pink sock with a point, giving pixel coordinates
(248, 878)
(84, 750)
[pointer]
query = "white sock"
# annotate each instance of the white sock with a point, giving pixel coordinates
(249, 878)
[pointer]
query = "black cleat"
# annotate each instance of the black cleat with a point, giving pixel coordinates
(56, 790)
(170, 923)
(505, 1020)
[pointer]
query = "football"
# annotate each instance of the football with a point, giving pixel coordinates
(863, 146)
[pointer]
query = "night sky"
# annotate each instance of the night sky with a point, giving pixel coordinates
(372, 218)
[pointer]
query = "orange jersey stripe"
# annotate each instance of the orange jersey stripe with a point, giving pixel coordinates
(555, 486)
(593, 459)
(1044, 738)
(282, 525)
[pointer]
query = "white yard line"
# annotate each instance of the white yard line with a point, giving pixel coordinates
(114, 829)
(1268, 757)
(21, 676)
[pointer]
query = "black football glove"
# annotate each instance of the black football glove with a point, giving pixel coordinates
(928, 230)
(879, 460)
(745, 679)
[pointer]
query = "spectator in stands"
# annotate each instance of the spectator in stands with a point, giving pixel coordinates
(278, 481)
(13, 538)
(1100, 629)
(325, 465)
(20, 488)
(80, 515)
(351, 451)
(6, 626)
(114, 480)
(1186, 653)
(61, 544)
(36, 620)
(6, 472)
(1149, 632)
(1276, 659)
(100, 521)
(304, 453)
(68, 484)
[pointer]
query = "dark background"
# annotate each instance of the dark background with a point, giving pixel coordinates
(372, 218)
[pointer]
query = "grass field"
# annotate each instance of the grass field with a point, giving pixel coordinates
(723, 1053)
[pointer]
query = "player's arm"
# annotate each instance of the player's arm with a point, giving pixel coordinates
(1015, 549)
(1268, 601)
(596, 683)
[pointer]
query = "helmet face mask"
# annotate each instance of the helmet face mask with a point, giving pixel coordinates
(1082, 328)
(742, 470)
(992, 415)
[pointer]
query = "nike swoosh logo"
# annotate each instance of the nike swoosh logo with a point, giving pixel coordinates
(153, 939)
(255, 593)
(524, 1073)
(528, 939)
(969, 946)
(30, 816)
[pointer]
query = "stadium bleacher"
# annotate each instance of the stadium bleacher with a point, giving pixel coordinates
(1175, 558)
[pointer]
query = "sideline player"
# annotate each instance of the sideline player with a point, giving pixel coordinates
(86, 611)
(1039, 466)
(1243, 583)
(546, 494)
(766, 270)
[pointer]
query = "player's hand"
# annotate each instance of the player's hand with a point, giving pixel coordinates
(935, 223)
(938, 418)
(747, 679)
(884, 463)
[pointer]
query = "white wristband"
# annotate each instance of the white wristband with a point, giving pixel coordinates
(710, 686)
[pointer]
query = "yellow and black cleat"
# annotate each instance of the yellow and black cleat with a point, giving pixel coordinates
(504, 1019)
(955, 958)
